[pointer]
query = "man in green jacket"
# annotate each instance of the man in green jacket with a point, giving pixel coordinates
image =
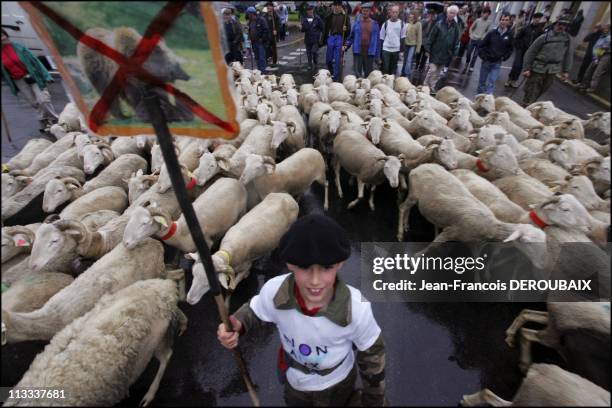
(549, 55)
(27, 76)
(440, 46)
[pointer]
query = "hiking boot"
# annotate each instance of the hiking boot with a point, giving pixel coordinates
(471, 69)
(514, 84)
(507, 83)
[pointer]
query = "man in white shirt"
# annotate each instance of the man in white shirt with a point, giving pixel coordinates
(319, 319)
(478, 30)
(392, 34)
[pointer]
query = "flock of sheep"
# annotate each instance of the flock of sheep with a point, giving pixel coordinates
(487, 170)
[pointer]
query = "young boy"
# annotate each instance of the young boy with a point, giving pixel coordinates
(319, 319)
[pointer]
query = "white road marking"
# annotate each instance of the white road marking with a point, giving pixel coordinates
(289, 58)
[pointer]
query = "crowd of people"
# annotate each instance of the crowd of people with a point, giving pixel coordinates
(404, 38)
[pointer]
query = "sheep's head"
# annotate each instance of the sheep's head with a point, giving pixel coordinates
(531, 241)
(501, 159)
(94, 155)
(484, 103)
(564, 210)
(145, 221)
(391, 168)
(292, 97)
(446, 153)
(281, 131)
(164, 182)
(15, 240)
(461, 119)
(55, 246)
(544, 111)
(543, 133)
(263, 113)
(498, 118)
(323, 92)
(570, 129)
(11, 185)
(580, 187)
(560, 152)
(256, 166)
(81, 140)
(360, 97)
(375, 128)
(410, 96)
(350, 82)
(200, 284)
(59, 191)
(599, 120)
(488, 135)
(333, 120)
(139, 183)
(375, 107)
(597, 169)
(365, 84)
(144, 141)
(251, 102)
(207, 168)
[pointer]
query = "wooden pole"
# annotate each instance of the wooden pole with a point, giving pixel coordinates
(164, 138)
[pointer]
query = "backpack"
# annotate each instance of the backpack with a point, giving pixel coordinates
(401, 28)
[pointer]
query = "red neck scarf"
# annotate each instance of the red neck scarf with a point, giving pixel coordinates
(481, 166)
(302, 303)
(170, 233)
(537, 220)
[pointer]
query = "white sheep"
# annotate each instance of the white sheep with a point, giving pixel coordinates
(115, 270)
(520, 116)
(542, 133)
(289, 131)
(337, 92)
(543, 170)
(11, 185)
(448, 95)
(460, 122)
(286, 82)
(139, 145)
(445, 202)
(257, 233)
(598, 170)
(19, 201)
(117, 173)
(370, 165)
(104, 198)
(294, 175)
(217, 209)
(97, 357)
(402, 84)
(69, 120)
(350, 83)
(323, 77)
(209, 167)
(569, 153)
(503, 119)
(26, 155)
(597, 127)
(464, 103)
(547, 113)
(17, 240)
(32, 292)
(47, 156)
(259, 141)
(484, 104)
(266, 111)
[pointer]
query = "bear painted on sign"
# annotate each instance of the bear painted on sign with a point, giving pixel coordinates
(161, 63)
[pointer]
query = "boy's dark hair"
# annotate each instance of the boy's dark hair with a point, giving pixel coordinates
(4, 32)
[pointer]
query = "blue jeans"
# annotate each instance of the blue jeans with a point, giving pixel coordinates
(489, 71)
(260, 56)
(408, 55)
(472, 47)
(333, 56)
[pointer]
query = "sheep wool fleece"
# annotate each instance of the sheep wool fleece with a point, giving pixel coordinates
(321, 342)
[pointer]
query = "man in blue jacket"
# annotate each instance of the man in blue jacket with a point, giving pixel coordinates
(312, 27)
(364, 39)
(337, 30)
(258, 35)
(494, 48)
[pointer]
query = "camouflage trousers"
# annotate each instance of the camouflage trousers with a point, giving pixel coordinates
(536, 85)
(336, 395)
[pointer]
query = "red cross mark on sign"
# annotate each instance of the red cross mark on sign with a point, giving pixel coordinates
(133, 66)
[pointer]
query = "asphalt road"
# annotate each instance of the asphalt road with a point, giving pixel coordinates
(435, 352)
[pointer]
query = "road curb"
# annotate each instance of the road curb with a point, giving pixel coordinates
(289, 43)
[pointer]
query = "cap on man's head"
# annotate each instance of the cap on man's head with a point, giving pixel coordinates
(227, 10)
(563, 20)
(366, 5)
(251, 10)
(310, 7)
(314, 239)
(538, 15)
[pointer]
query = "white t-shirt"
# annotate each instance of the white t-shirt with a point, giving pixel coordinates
(315, 341)
(393, 35)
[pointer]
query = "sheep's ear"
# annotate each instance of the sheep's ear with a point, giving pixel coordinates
(515, 235)
(192, 255)
(20, 242)
(223, 164)
(160, 220)
(387, 125)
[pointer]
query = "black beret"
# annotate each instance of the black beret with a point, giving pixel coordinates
(538, 15)
(314, 239)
